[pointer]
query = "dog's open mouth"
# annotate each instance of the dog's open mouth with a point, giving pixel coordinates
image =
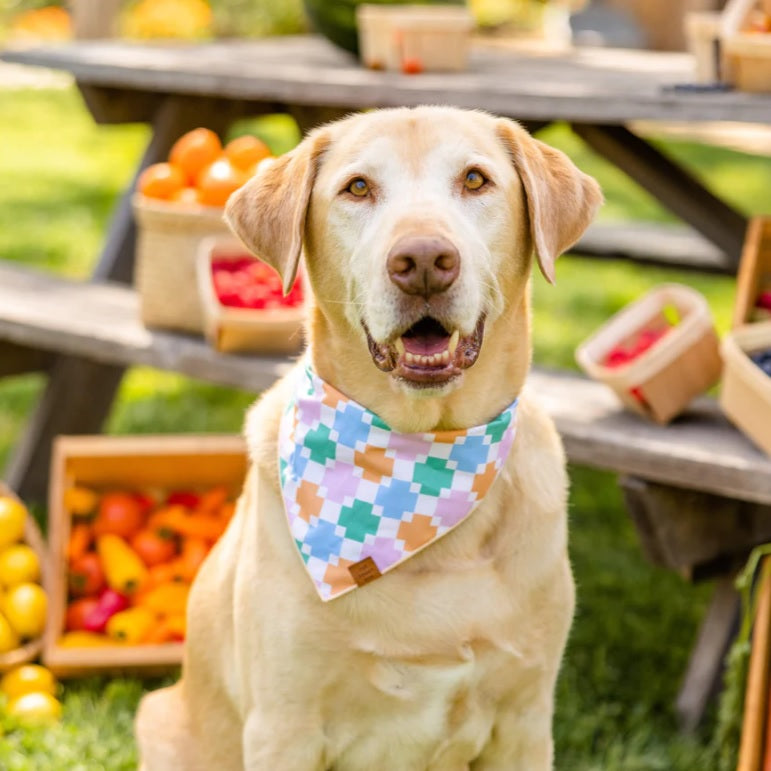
(427, 354)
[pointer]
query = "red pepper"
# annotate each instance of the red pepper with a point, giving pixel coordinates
(110, 603)
(185, 498)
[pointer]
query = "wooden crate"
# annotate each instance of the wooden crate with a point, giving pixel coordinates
(754, 270)
(746, 392)
(30, 650)
(756, 694)
(240, 330)
(100, 462)
(414, 38)
(746, 54)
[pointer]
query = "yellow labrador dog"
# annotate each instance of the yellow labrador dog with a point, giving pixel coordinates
(418, 228)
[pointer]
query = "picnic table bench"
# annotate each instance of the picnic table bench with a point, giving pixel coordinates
(698, 491)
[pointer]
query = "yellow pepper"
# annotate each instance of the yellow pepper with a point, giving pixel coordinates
(80, 501)
(168, 599)
(123, 567)
(84, 640)
(132, 625)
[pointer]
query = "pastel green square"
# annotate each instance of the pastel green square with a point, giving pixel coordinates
(378, 422)
(497, 428)
(322, 448)
(299, 545)
(433, 476)
(358, 520)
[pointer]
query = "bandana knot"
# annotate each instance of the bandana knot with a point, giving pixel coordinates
(361, 498)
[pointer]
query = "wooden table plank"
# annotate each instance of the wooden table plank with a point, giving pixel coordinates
(700, 451)
(584, 85)
(101, 322)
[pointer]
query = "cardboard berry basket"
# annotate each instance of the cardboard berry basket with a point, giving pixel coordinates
(746, 392)
(244, 330)
(754, 274)
(660, 382)
(168, 237)
(414, 38)
(149, 464)
(32, 537)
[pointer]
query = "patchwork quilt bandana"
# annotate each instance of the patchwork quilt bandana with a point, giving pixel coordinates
(361, 498)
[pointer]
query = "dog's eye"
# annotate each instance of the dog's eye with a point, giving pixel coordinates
(474, 179)
(358, 187)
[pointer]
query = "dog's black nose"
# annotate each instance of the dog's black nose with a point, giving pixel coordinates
(424, 265)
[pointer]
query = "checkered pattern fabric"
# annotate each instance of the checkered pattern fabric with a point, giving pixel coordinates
(361, 498)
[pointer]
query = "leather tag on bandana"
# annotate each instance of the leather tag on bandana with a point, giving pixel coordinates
(364, 572)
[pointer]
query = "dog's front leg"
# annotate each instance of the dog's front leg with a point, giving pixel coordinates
(521, 739)
(288, 747)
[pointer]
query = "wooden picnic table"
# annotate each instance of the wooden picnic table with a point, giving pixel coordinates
(697, 492)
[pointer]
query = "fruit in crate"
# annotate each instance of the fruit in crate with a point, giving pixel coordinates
(628, 351)
(132, 557)
(31, 693)
(763, 360)
(23, 602)
(762, 309)
(200, 171)
(244, 282)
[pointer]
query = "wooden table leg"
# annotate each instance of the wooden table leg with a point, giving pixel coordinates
(672, 185)
(76, 400)
(80, 392)
(705, 667)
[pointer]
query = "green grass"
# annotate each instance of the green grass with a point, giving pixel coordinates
(635, 623)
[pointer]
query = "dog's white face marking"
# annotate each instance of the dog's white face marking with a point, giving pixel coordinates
(393, 180)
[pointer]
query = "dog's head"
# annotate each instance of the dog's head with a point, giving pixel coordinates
(418, 227)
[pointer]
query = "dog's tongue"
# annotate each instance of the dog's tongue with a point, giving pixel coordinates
(425, 338)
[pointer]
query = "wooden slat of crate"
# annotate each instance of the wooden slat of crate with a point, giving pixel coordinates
(755, 706)
(754, 268)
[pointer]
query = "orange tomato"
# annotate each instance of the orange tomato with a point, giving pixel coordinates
(77, 613)
(213, 499)
(194, 151)
(187, 196)
(80, 540)
(217, 182)
(153, 548)
(161, 180)
(194, 551)
(86, 576)
(246, 152)
(119, 514)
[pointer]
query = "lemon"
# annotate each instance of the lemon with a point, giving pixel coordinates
(18, 564)
(35, 707)
(13, 515)
(27, 678)
(8, 637)
(25, 608)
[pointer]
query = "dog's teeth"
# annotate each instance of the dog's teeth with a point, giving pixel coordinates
(425, 360)
(445, 357)
(453, 342)
(399, 345)
(410, 358)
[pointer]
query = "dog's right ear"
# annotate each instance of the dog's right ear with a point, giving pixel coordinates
(268, 212)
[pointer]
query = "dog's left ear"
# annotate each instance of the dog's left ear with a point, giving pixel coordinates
(268, 213)
(561, 200)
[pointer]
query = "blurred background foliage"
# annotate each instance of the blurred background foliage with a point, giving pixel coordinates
(187, 19)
